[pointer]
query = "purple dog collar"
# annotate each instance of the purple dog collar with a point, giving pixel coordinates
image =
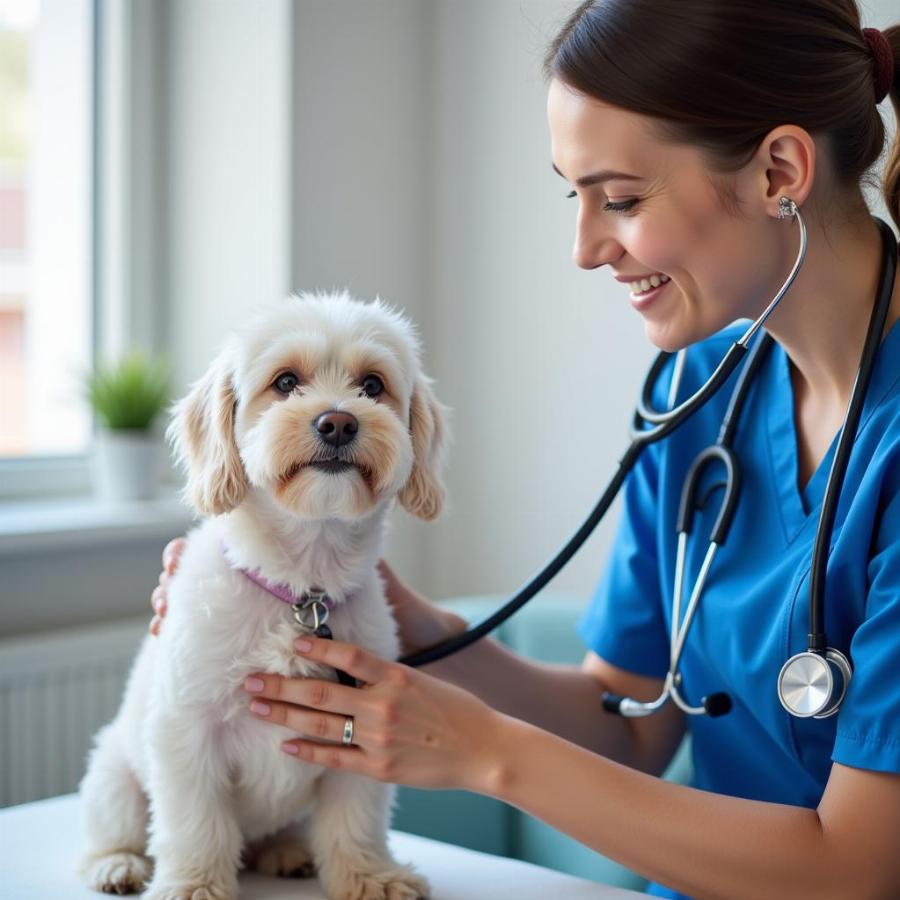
(311, 608)
(283, 592)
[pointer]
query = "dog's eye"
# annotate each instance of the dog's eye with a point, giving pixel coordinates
(287, 383)
(372, 385)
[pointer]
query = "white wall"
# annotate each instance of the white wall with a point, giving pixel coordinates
(225, 136)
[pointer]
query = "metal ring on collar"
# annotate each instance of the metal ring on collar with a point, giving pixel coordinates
(314, 606)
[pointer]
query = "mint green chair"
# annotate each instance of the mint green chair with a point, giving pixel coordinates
(543, 630)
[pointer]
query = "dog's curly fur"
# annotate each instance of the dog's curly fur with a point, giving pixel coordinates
(184, 774)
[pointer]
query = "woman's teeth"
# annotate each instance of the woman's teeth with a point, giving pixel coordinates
(654, 281)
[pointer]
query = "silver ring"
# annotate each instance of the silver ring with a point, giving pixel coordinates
(348, 731)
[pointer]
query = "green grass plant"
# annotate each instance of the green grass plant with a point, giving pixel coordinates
(129, 394)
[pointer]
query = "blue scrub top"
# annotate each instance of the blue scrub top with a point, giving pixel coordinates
(753, 613)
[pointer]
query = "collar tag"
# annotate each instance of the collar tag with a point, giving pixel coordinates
(312, 612)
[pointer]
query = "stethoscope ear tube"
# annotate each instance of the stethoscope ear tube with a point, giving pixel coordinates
(688, 504)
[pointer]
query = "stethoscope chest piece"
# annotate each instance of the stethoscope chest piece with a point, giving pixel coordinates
(807, 686)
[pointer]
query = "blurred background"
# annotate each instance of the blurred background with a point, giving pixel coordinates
(165, 165)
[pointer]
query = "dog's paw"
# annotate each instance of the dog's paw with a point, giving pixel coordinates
(196, 890)
(286, 860)
(405, 884)
(121, 872)
(399, 883)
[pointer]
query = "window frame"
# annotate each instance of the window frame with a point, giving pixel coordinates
(123, 209)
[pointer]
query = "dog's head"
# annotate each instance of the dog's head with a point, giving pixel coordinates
(320, 402)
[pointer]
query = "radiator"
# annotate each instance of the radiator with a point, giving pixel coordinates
(56, 690)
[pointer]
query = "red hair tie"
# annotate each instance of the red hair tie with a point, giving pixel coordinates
(884, 62)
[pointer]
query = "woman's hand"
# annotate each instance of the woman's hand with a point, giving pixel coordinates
(408, 727)
(421, 623)
(158, 599)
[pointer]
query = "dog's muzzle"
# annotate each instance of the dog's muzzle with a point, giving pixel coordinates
(337, 429)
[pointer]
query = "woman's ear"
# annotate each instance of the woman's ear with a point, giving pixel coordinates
(202, 435)
(787, 162)
(423, 493)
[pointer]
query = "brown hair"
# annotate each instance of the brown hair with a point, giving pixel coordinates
(721, 75)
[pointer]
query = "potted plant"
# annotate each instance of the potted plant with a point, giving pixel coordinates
(127, 397)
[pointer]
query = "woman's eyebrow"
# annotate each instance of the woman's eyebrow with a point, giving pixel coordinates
(599, 177)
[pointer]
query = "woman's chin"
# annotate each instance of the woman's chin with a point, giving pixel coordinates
(664, 337)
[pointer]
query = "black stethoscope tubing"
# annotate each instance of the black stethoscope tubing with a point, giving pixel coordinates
(817, 640)
(663, 423)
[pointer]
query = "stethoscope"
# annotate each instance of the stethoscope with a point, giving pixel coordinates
(811, 683)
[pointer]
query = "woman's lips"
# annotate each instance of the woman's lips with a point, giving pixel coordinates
(640, 301)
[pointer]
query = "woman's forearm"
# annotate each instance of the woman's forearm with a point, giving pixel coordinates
(561, 699)
(702, 844)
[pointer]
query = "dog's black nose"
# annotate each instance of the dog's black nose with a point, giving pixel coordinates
(337, 428)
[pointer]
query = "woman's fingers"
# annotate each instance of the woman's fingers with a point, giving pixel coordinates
(170, 558)
(387, 573)
(347, 657)
(319, 725)
(320, 695)
(158, 600)
(350, 759)
(172, 553)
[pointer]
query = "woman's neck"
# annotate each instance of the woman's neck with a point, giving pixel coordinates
(822, 321)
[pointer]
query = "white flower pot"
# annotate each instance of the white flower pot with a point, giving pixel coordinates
(126, 465)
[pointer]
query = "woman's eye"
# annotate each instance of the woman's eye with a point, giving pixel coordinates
(622, 206)
(372, 385)
(287, 383)
(611, 206)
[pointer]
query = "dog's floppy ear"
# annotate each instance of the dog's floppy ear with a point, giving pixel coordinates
(423, 493)
(202, 434)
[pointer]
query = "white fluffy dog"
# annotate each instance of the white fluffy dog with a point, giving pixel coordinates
(296, 441)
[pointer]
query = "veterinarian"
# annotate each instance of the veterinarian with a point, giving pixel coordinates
(687, 133)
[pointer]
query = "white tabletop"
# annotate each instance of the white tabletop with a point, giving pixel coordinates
(40, 844)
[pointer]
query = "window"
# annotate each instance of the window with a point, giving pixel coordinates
(46, 226)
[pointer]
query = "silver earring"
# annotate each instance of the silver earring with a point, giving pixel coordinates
(787, 209)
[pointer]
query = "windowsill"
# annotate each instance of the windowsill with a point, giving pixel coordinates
(79, 521)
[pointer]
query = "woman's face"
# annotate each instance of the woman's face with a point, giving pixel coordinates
(648, 208)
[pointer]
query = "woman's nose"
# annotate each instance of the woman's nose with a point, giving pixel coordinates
(594, 245)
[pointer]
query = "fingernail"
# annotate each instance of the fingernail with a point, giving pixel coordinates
(253, 684)
(290, 748)
(302, 645)
(258, 706)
